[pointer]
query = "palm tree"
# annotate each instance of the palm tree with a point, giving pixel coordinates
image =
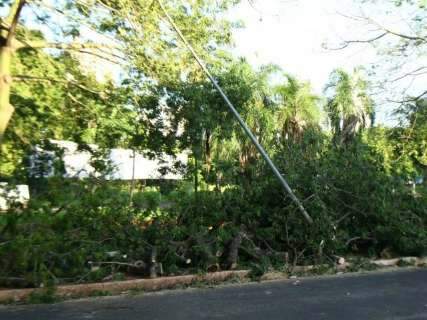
(349, 107)
(297, 108)
(251, 92)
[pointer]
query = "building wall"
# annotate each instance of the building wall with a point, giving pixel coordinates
(77, 163)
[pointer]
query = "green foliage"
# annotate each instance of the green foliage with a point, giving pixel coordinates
(230, 210)
(298, 108)
(56, 94)
(410, 136)
(44, 295)
(349, 107)
(48, 107)
(359, 206)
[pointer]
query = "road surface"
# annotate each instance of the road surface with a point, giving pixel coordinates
(397, 295)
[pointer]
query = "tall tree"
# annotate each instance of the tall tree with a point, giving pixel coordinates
(50, 108)
(130, 33)
(298, 108)
(349, 107)
(203, 123)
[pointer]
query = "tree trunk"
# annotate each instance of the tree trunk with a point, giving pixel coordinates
(132, 184)
(196, 177)
(6, 53)
(6, 109)
(233, 254)
(208, 156)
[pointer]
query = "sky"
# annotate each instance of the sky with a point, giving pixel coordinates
(292, 34)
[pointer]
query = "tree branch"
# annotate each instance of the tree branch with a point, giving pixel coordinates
(63, 46)
(411, 73)
(74, 83)
(73, 18)
(80, 47)
(100, 56)
(349, 42)
(395, 33)
(384, 31)
(3, 25)
(405, 36)
(411, 99)
(14, 23)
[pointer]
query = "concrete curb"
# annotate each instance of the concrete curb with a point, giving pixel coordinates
(116, 287)
(84, 290)
(394, 262)
(415, 261)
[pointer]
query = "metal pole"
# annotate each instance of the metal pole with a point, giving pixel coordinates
(238, 117)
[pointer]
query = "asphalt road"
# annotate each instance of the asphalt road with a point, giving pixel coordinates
(391, 295)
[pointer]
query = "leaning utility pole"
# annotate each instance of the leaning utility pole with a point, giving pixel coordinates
(238, 117)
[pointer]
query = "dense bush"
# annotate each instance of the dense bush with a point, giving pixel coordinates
(230, 211)
(88, 230)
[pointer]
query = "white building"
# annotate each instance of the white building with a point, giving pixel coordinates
(13, 194)
(77, 163)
